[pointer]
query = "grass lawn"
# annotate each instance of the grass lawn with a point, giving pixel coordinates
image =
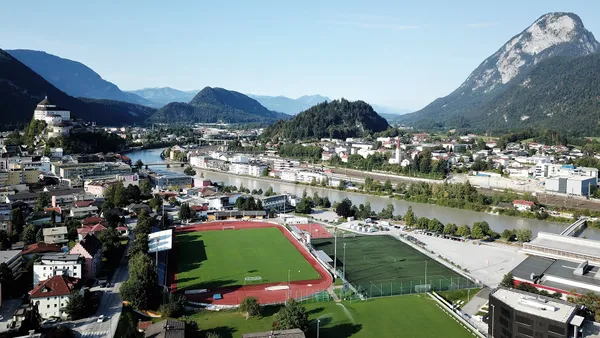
(406, 316)
(225, 257)
(454, 296)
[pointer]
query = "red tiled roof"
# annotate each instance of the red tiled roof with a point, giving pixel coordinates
(87, 228)
(56, 286)
(81, 204)
(523, 202)
(57, 209)
(142, 326)
(199, 208)
(40, 248)
(122, 228)
(93, 220)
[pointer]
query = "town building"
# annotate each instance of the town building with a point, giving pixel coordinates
(90, 229)
(57, 235)
(57, 264)
(514, 313)
(573, 185)
(564, 247)
(278, 203)
(171, 180)
(82, 212)
(14, 260)
(522, 205)
(170, 328)
(91, 249)
(292, 333)
(52, 295)
(80, 171)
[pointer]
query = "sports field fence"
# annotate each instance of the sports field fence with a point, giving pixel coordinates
(396, 287)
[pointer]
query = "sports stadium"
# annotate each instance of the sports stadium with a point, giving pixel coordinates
(224, 262)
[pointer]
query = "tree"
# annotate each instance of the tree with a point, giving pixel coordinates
(29, 233)
(18, 221)
(250, 307)
(111, 241)
(145, 188)
(139, 164)
(185, 213)
(344, 209)
(189, 171)
(409, 217)
(212, 335)
(174, 307)
(325, 202)
(508, 280)
(435, 226)
(387, 187)
(141, 289)
(291, 316)
(155, 203)
(507, 235)
(368, 183)
(139, 244)
(143, 224)
(481, 230)
(423, 223)
(387, 212)
(341, 185)
(269, 192)
(313, 182)
(304, 206)
(591, 302)
(76, 307)
(133, 193)
(265, 172)
(464, 231)
(43, 200)
(450, 229)
(524, 235)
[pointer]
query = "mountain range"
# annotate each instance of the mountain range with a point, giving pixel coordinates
(162, 96)
(528, 82)
(74, 78)
(213, 105)
(22, 88)
(334, 119)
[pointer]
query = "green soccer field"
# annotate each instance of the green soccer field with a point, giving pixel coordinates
(407, 316)
(226, 257)
(384, 266)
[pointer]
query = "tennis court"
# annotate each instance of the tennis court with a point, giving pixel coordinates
(382, 266)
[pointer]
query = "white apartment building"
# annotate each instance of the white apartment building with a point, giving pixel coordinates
(52, 295)
(57, 235)
(57, 264)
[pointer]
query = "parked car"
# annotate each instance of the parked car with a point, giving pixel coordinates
(100, 318)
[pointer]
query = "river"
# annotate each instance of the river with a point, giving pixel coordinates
(446, 215)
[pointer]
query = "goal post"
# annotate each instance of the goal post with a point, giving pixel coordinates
(228, 227)
(253, 280)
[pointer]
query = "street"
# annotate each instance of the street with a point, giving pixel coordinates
(110, 306)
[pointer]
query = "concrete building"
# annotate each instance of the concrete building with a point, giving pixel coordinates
(56, 235)
(514, 313)
(574, 185)
(13, 259)
(52, 295)
(171, 181)
(57, 264)
(91, 250)
(89, 170)
(564, 247)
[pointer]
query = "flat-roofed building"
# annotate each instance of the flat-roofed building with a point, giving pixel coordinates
(53, 264)
(57, 235)
(564, 247)
(515, 313)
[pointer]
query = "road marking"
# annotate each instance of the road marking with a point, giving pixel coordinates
(94, 333)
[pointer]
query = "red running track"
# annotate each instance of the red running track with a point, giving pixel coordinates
(235, 294)
(315, 230)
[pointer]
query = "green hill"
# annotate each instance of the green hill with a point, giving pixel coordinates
(335, 119)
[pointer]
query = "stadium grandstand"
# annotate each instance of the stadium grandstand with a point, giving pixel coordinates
(564, 247)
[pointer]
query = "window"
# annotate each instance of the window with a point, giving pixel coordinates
(556, 329)
(526, 331)
(505, 312)
(48, 306)
(524, 320)
(54, 305)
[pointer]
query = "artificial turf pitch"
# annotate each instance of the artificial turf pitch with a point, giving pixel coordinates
(384, 266)
(220, 258)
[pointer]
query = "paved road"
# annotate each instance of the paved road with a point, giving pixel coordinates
(110, 306)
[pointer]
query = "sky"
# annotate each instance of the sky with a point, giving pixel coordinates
(400, 54)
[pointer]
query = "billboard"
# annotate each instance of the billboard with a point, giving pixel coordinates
(160, 241)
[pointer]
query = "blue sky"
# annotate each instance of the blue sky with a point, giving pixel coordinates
(397, 53)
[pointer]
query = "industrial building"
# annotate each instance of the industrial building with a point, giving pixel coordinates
(564, 247)
(573, 185)
(171, 180)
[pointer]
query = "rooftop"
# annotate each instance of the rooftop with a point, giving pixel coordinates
(169, 328)
(8, 255)
(40, 248)
(572, 245)
(55, 231)
(56, 286)
(536, 305)
(59, 256)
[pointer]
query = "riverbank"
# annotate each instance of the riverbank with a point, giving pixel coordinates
(445, 214)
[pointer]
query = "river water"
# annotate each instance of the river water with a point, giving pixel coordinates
(446, 215)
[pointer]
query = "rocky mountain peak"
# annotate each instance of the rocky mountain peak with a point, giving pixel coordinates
(553, 34)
